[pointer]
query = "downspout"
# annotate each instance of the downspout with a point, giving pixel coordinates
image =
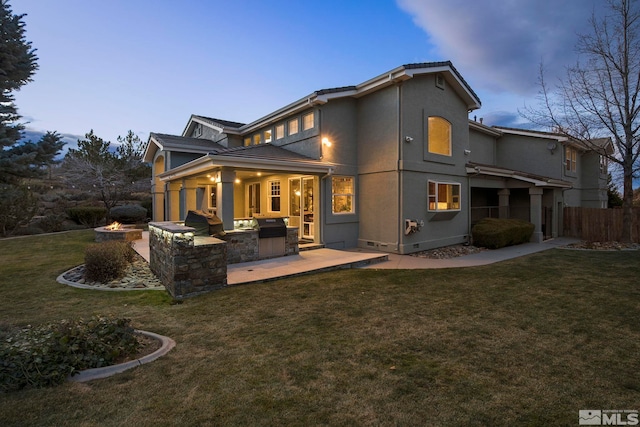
(399, 167)
(322, 183)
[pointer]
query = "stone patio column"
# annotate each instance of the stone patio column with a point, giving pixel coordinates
(173, 201)
(503, 203)
(224, 197)
(535, 213)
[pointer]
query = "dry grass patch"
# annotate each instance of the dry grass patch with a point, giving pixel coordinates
(529, 341)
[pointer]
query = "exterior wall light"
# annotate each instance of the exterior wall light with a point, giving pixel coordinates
(326, 142)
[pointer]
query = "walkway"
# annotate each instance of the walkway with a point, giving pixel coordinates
(330, 259)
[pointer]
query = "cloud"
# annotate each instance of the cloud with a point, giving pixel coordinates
(34, 135)
(500, 45)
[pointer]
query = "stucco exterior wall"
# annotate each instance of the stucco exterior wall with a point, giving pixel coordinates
(594, 182)
(483, 147)
(531, 155)
(379, 220)
(338, 120)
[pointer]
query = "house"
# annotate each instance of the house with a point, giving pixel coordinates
(392, 164)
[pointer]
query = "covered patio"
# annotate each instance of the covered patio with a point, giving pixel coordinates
(503, 193)
(241, 184)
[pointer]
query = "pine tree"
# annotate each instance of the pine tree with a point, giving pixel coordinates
(17, 66)
(19, 159)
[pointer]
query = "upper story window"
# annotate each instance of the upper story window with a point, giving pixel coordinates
(280, 131)
(267, 136)
(293, 126)
(570, 159)
(439, 136)
(342, 194)
(307, 121)
(247, 141)
(603, 165)
(256, 139)
(444, 196)
(197, 130)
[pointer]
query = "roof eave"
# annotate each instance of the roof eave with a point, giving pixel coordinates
(148, 154)
(505, 173)
(206, 163)
(394, 76)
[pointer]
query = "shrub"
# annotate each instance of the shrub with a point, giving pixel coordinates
(46, 355)
(128, 214)
(494, 233)
(148, 205)
(107, 261)
(49, 223)
(88, 216)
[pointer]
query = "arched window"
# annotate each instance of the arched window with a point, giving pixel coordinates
(439, 136)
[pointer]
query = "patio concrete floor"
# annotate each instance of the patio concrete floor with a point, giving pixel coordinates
(331, 259)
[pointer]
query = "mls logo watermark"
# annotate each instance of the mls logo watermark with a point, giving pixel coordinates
(612, 417)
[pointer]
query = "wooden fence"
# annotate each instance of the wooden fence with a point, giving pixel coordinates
(599, 225)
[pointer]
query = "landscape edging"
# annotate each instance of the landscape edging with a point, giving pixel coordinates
(107, 371)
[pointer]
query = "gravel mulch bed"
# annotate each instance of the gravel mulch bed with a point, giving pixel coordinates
(448, 252)
(137, 275)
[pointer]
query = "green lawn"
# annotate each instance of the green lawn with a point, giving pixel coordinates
(525, 342)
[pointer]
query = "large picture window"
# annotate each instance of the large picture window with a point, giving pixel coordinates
(439, 136)
(444, 196)
(342, 194)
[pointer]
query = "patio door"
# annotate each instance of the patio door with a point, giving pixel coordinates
(254, 199)
(301, 206)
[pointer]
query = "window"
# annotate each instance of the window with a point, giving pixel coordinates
(293, 126)
(197, 131)
(444, 196)
(342, 194)
(570, 158)
(603, 165)
(213, 201)
(279, 131)
(439, 133)
(256, 139)
(247, 141)
(274, 196)
(307, 121)
(267, 136)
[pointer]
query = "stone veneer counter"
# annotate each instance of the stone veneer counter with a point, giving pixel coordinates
(186, 264)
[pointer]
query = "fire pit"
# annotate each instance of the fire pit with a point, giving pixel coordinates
(117, 231)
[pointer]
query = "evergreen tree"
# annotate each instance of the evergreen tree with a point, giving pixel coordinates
(613, 195)
(18, 159)
(17, 65)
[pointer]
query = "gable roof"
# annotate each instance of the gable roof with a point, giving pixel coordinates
(159, 141)
(399, 74)
(266, 157)
(222, 126)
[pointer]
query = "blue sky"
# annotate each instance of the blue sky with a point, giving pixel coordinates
(148, 65)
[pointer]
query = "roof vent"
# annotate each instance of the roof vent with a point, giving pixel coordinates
(440, 81)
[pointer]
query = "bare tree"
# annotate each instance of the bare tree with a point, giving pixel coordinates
(599, 96)
(110, 176)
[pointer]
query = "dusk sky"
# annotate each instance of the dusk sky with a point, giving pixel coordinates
(148, 65)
